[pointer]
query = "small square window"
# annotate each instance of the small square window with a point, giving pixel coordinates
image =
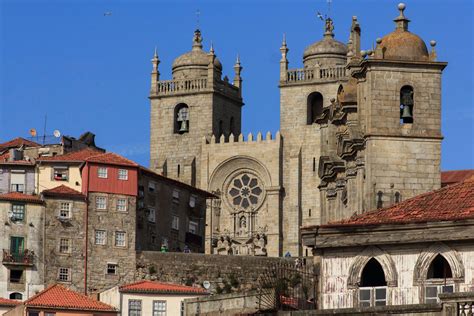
(122, 205)
(193, 227)
(60, 173)
(101, 202)
(151, 215)
(151, 187)
(100, 237)
(18, 212)
(64, 274)
(134, 307)
(192, 201)
(65, 210)
(120, 239)
(16, 276)
(64, 245)
(102, 172)
(176, 196)
(159, 308)
(111, 268)
(123, 174)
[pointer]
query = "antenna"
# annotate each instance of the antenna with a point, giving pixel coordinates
(198, 14)
(44, 130)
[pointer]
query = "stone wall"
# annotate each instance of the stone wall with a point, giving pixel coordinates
(225, 273)
(241, 303)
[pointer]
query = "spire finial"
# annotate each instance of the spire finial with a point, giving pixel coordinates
(401, 21)
(211, 50)
(155, 55)
(197, 40)
(237, 61)
(328, 28)
(283, 43)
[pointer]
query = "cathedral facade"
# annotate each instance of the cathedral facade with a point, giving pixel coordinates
(359, 130)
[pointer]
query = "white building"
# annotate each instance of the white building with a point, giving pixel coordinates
(150, 298)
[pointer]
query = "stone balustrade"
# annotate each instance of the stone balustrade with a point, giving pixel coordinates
(166, 87)
(315, 74)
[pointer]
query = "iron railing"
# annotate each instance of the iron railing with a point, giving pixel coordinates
(25, 257)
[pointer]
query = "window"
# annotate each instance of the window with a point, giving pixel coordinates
(123, 174)
(64, 245)
(16, 276)
(175, 223)
(406, 105)
(175, 196)
(101, 202)
(122, 205)
(111, 268)
(179, 170)
(102, 172)
(18, 212)
(373, 287)
(151, 187)
(120, 239)
(17, 181)
(438, 279)
(16, 296)
(134, 307)
(151, 215)
(379, 199)
(314, 164)
(100, 237)
(192, 201)
(64, 274)
(60, 173)
(65, 210)
(398, 197)
(159, 308)
(314, 107)
(33, 313)
(181, 123)
(194, 227)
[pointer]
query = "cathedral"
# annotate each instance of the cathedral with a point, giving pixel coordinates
(359, 130)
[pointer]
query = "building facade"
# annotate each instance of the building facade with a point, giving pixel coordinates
(359, 130)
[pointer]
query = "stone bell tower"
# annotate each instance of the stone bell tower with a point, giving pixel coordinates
(196, 103)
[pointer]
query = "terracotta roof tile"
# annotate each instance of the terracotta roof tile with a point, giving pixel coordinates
(63, 190)
(75, 156)
(21, 197)
(57, 296)
(450, 203)
(7, 302)
(455, 176)
(111, 158)
(146, 286)
(18, 142)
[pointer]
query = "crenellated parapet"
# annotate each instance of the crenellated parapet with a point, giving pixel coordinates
(224, 140)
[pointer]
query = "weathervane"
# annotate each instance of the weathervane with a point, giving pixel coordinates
(329, 26)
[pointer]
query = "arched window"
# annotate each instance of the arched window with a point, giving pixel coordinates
(398, 197)
(16, 296)
(406, 105)
(181, 118)
(314, 107)
(373, 286)
(379, 199)
(439, 279)
(179, 170)
(232, 130)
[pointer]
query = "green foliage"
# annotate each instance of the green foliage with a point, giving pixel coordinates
(151, 269)
(234, 282)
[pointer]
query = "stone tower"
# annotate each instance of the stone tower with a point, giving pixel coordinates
(385, 126)
(196, 103)
(304, 93)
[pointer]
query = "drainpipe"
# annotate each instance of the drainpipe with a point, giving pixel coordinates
(86, 239)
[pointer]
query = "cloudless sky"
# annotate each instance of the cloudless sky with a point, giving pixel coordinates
(90, 71)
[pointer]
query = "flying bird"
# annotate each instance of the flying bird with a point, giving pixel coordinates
(320, 16)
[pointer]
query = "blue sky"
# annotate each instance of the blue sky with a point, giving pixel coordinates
(87, 71)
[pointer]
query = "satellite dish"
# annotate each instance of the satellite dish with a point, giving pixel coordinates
(56, 133)
(33, 132)
(206, 285)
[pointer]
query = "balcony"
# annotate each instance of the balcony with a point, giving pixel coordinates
(25, 258)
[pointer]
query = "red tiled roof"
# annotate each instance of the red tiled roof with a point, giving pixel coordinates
(18, 142)
(111, 158)
(21, 197)
(63, 190)
(75, 156)
(7, 302)
(59, 297)
(454, 202)
(146, 286)
(455, 176)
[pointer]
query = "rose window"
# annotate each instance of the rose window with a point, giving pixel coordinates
(245, 191)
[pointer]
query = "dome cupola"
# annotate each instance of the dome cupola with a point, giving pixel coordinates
(194, 63)
(327, 51)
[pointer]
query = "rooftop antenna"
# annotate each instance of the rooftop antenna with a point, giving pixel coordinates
(44, 129)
